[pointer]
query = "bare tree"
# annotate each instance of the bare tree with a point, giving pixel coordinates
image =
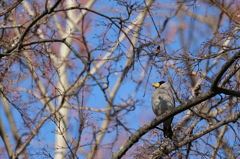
(76, 78)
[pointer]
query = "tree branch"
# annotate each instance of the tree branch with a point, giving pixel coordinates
(227, 91)
(233, 118)
(144, 129)
(223, 70)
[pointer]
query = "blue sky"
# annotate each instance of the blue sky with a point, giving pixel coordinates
(196, 34)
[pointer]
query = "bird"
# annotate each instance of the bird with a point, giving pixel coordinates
(163, 101)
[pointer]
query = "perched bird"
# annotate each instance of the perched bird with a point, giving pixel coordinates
(162, 101)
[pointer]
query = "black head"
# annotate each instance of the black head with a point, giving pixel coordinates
(161, 82)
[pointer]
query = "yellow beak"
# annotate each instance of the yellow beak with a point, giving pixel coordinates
(156, 85)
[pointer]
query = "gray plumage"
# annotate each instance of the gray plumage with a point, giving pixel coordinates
(162, 101)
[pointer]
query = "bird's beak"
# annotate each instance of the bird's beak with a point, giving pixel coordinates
(156, 85)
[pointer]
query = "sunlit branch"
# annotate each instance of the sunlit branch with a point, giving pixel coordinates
(33, 133)
(5, 139)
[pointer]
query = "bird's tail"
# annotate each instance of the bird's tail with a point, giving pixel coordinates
(167, 130)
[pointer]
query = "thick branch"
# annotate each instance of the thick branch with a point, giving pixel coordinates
(224, 69)
(143, 130)
(227, 91)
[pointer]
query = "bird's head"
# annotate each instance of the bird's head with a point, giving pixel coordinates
(156, 85)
